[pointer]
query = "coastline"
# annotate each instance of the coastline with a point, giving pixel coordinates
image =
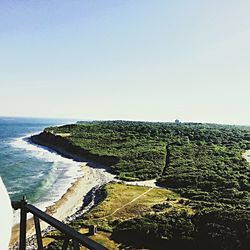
(94, 176)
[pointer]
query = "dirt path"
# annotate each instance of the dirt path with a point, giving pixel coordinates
(148, 183)
(136, 198)
(246, 155)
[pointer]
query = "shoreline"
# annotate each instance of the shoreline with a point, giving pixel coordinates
(94, 176)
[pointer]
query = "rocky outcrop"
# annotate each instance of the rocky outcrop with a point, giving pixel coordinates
(66, 148)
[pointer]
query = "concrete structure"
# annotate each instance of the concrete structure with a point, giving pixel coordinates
(6, 215)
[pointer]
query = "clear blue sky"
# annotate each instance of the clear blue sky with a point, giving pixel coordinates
(126, 59)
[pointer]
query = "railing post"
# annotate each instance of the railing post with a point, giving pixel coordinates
(38, 233)
(23, 222)
(65, 243)
(76, 245)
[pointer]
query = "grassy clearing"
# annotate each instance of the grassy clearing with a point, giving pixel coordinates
(63, 134)
(103, 238)
(47, 241)
(125, 202)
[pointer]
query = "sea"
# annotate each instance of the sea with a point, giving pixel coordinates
(29, 170)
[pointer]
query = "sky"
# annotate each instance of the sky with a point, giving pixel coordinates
(154, 60)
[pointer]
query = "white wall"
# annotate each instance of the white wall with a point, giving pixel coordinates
(5, 217)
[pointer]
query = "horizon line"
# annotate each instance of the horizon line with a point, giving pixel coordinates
(120, 119)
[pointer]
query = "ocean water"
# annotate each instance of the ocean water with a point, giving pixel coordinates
(39, 174)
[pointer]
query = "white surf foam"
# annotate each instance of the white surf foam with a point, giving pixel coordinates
(63, 174)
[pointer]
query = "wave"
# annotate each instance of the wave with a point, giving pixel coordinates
(40, 152)
(53, 183)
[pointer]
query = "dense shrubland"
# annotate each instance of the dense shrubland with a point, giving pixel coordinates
(205, 165)
(207, 229)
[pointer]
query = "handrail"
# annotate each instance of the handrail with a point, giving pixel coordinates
(70, 233)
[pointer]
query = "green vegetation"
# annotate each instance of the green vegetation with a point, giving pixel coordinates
(212, 229)
(204, 164)
(139, 147)
(140, 154)
(137, 201)
(54, 239)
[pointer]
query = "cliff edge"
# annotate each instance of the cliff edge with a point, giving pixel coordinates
(66, 148)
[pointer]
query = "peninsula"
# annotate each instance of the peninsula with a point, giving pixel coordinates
(200, 201)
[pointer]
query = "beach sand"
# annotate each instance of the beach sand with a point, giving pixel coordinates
(72, 200)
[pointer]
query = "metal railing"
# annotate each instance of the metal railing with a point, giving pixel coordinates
(70, 234)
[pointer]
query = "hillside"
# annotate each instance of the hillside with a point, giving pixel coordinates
(117, 208)
(201, 162)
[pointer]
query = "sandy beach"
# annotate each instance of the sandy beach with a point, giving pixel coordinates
(72, 200)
